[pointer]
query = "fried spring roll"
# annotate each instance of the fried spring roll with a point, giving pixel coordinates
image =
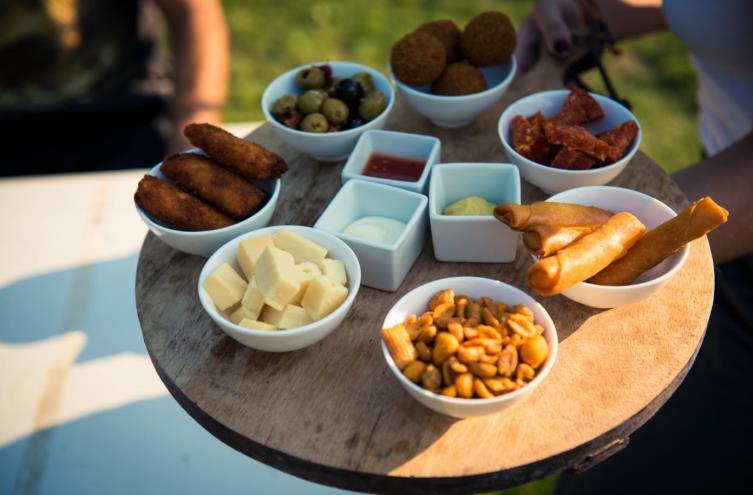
(176, 208)
(587, 256)
(699, 219)
(523, 217)
(249, 160)
(544, 240)
(220, 188)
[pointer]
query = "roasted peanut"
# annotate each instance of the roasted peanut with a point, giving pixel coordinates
(539, 329)
(457, 366)
(517, 340)
(418, 323)
(488, 332)
(499, 385)
(464, 385)
(470, 354)
(486, 302)
(456, 329)
(474, 312)
(442, 297)
(523, 310)
(431, 378)
(501, 309)
(534, 351)
(481, 390)
(442, 314)
(489, 359)
(413, 371)
(483, 370)
(423, 351)
(450, 391)
(489, 318)
(445, 345)
(521, 325)
(448, 376)
(398, 343)
(507, 361)
(461, 304)
(490, 346)
(470, 332)
(524, 372)
(427, 333)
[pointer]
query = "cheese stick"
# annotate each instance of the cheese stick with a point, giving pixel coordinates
(522, 217)
(699, 219)
(544, 240)
(587, 256)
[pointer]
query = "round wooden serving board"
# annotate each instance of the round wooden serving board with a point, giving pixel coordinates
(332, 413)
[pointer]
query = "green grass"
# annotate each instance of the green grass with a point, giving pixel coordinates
(271, 36)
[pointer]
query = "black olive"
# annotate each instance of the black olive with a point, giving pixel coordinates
(350, 92)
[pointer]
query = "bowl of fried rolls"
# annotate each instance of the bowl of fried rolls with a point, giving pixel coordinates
(607, 246)
(568, 138)
(198, 200)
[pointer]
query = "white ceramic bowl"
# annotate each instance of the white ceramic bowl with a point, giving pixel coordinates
(294, 338)
(205, 242)
(426, 149)
(330, 146)
(416, 301)
(384, 265)
(652, 213)
(553, 180)
(493, 242)
(459, 111)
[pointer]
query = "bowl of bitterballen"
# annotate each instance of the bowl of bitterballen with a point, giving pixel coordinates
(198, 200)
(451, 75)
(468, 346)
(321, 109)
(280, 288)
(568, 138)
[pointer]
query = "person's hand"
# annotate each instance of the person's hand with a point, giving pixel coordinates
(177, 142)
(552, 20)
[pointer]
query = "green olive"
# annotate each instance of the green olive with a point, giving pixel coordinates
(285, 104)
(372, 105)
(365, 80)
(315, 122)
(311, 101)
(335, 110)
(311, 78)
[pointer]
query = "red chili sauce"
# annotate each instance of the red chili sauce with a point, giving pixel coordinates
(393, 167)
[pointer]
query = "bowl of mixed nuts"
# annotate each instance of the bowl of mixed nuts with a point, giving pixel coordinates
(468, 346)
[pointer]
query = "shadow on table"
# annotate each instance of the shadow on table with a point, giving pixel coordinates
(89, 414)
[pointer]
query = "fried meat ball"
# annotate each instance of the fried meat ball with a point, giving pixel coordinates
(460, 78)
(488, 39)
(449, 34)
(418, 59)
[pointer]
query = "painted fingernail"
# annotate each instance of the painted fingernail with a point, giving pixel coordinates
(561, 47)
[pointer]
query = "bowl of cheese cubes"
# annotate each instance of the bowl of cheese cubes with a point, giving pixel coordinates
(281, 288)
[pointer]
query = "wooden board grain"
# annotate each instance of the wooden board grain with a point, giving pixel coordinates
(333, 413)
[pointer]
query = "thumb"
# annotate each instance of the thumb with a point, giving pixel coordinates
(555, 31)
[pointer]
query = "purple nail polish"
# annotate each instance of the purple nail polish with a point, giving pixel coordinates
(561, 47)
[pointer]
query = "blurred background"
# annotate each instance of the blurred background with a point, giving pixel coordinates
(119, 431)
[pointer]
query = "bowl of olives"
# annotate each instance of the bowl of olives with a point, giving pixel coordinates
(321, 109)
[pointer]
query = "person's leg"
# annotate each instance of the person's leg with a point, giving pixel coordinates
(701, 441)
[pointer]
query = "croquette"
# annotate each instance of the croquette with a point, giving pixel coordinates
(460, 78)
(175, 208)
(488, 39)
(249, 160)
(449, 34)
(418, 59)
(221, 188)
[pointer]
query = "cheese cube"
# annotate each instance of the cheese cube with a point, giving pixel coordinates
(335, 270)
(225, 286)
(253, 299)
(322, 297)
(241, 313)
(277, 277)
(256, 325)
(301, 248)
(308, 271)
(249, 251)
(291, 316)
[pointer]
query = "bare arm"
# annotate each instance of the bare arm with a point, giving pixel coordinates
(728, 178)
(555, 20)
(200, 47)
